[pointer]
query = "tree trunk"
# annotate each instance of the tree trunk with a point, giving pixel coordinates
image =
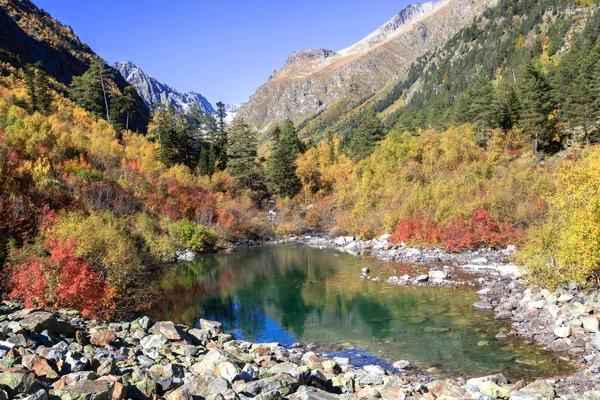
(104, 92)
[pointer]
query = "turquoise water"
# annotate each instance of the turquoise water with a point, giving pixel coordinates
(292, 293)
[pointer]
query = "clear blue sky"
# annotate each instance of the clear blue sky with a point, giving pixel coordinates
(224, 50)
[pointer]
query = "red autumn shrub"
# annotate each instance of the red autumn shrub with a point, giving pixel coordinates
(60, 280)
(456, 234)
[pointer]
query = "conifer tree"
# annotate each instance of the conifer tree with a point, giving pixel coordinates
(536, 106)
(242, 153)
(366, 137)
(90, 90)
(38, 88)
(281, 165)
(170, 133)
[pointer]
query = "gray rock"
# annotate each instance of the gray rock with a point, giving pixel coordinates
(562, 331)
(154, 342)
(207, 385)
(212, 326)
(40, 321)
(284, 368)
(483, 305)
(539, 390)
(308, 393)
(403, 364)
(438, 274)
(145, 322)
(39, 395)
(596, 341)
(86, 389)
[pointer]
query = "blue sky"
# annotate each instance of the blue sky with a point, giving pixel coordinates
(224, 50)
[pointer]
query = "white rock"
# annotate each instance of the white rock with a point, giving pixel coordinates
(562, 331)
(590, 324)
(536, 304)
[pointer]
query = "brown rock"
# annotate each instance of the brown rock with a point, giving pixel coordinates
(44, 369)
(213, 326)
(103, 338)
(168, 329)
(82, 338)
(179, 394)
(119, 391)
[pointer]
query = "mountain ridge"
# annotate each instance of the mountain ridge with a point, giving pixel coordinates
(313, 80)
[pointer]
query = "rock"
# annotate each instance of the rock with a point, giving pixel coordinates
(284, 368)
(228, 371)
(501, 336)
(268, 385)
(154, 342)
(107, 367)
(119, 391)
(590, 324)
(503, 315)
(493, 390)
(498, 379)
(103, 338)
(376, 369)
(366, 271)
(250, 372)
(422, 278)
(536, 304)
(541, 390)
(207, 386)
(86, 389)
(44, 369)
(438, 274)
(19, 381)
(39, 395)
(596, 342)
(180, 394)
(483, 305)
(39, 321)
(212, 360)
(212, 326)
(308, 393)
(402, 365)
(562, 331)
(144, 322)
(169, 330)
(74, 377)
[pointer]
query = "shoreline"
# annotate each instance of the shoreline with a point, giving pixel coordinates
(64, 355)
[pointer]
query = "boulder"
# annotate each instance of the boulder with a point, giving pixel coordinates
(39, 395)
(86, 389)
(39, 321)
(562, 331)
(103, 338)
(213, 359)
(308, 393)
(539, 390)
(590, 324)
(19, 381)
(169, 329)
(180, 394)
(44, 369)
(154, 342)
(207, 386)
(438, 274)
(483, 305)
(213, 327)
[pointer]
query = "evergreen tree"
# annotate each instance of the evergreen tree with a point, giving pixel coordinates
(580, 104)
(221, 118)
(242, 153)
(508, 106)
(536, 106)
(482, 107)
(170, 133)
(90, 90)
(281, 164)
(38, 88)
(366, 137)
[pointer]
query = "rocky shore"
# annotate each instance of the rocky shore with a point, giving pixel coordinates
(61, 355)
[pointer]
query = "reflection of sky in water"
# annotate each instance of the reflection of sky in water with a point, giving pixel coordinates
(296, 293)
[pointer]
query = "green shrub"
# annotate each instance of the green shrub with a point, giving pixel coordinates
(188, 235)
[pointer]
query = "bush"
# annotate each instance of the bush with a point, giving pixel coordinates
(59, 280)
(456, 234)
(188, 235)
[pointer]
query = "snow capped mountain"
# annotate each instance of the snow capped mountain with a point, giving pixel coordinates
(153, 91)
(230, 112)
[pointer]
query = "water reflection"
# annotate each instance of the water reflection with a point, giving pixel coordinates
(298, 293)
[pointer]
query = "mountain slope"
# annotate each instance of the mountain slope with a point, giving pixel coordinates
(312, 81)
(29, 35)
(153, 91)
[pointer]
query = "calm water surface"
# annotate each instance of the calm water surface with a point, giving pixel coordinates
(297, 293)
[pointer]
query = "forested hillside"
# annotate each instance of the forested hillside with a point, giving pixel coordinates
(490, 141)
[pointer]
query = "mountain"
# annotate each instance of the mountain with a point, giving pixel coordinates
(153, 91)
(313, 80)
(29, 35)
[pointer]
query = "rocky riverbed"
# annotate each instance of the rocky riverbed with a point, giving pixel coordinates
(62, 355)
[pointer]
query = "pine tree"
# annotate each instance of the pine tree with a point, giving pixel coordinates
(580, 104)
(281, 164)
(38, 88)
(242, 153)
(366, 137)
(482, 107)
(90, 90)
(170, 133)
(536, 106)
(30, 83)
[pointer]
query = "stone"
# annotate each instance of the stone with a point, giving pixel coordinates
(144, 322)
(312, 360)
(250, 372)
(539, 304)
(212, 326)
(169, 329)
(402, 365)
(308, 393)
(370, 378)
(86, 389)
(39, 321)
(498, 379)
(482, 305)
(207, 386)
(39, 395)
(562, 331)
(18, 381)
(154, 342)
(541, 390)
(503, 315)
(438, 274)
(107, 367)
(44, 369)
(119, 391)
(284, 368)
(180, 394)
(368, 392)
(103, 338)
(596, 342)
(493, 390)
(73, 378)
(501, 336)
(422, 278)
(228, 371)
(212, 360)
(590, 324)
(376, 369)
